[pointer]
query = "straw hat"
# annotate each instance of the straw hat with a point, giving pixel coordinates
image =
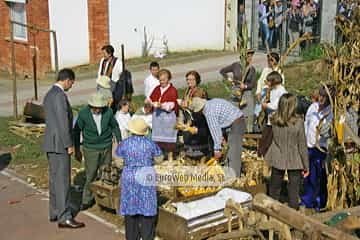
(97, 100)
(250, 51)
(138, 126)
(197, 104)
(103, 81)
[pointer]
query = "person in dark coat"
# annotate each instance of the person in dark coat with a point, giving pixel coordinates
(200, 143)
(195, 144)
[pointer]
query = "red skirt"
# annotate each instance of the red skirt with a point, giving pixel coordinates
(168, 147)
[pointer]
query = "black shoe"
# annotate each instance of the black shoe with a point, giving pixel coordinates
(71, 223)
(53, 219)
(85, 206)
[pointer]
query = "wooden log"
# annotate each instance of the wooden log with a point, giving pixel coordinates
(355, 211)
(311, 227)
(235, 235)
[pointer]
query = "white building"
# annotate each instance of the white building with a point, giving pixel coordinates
(83, 27)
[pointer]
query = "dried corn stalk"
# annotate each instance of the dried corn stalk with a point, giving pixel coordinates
(254, 169)
(344, 75)
(243, 40)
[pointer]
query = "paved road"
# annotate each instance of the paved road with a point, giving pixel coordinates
(28, 218)
(208, 68)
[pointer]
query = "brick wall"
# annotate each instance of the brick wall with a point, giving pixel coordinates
(98, 27)
(37, 13)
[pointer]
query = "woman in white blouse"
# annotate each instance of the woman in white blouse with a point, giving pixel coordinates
(318, 122)
(277, 90)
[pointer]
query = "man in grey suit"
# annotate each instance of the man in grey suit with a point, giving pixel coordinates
(58, 145)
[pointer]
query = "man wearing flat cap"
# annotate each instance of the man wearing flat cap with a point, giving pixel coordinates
(242, 86)
(222, 115)
(97, 124)
(246, 86)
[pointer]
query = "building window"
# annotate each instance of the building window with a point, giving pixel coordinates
(18, 14)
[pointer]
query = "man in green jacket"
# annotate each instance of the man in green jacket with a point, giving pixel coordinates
(97, 124)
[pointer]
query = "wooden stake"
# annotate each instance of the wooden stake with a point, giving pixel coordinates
(13, 68)
(305, 224)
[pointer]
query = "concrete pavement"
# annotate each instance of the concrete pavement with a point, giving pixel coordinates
(79, 94)
(24, 216)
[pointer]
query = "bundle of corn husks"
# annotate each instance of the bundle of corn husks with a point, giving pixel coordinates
(212, 170)
(254, 169)
(178, 171)
(172, 168)
(344, 76)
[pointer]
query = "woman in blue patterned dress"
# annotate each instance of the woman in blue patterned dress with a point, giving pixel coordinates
(138, 199)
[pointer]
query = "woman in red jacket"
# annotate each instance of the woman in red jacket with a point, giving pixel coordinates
(164, 100)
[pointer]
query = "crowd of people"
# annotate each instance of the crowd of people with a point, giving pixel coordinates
(346, 8)
(298, 144)
(297, 16)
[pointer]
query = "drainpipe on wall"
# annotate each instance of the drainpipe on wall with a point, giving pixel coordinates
(225, 6)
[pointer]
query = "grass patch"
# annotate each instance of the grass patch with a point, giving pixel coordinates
(313, 52)
(304, 78)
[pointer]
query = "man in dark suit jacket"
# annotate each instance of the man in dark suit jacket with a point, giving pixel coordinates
(58, 145)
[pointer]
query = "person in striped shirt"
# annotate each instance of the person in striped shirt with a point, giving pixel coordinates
(222, 116)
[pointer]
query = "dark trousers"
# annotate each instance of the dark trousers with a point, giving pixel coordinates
(315, 185)
(277, 37)
(139, 226)
(235, 139)
(59, 186)
(94, 159)
(293, 186)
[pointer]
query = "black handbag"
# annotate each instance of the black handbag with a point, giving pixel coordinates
(309, 23)
(265, 141)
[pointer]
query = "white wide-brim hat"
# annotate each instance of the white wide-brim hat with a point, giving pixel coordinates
(97, 100)
(197, 104)
(103, 81)
(138, 126)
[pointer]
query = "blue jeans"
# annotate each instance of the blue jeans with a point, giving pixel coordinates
(265, 34)
(271, 37)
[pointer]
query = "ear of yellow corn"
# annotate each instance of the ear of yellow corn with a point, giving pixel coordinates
(211, 162)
